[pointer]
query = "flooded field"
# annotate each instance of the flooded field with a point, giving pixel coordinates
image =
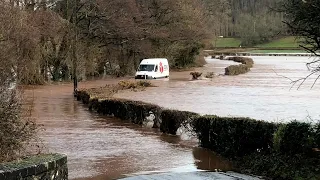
(264, 93)
(100, 147)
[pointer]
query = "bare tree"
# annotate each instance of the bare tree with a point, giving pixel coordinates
(303, 19)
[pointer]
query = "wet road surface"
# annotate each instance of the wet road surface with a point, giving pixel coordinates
(100, 147)
(194, 176)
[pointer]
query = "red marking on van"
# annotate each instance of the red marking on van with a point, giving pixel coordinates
(161, 67)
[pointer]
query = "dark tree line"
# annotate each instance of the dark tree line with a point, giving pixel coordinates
(253, 21)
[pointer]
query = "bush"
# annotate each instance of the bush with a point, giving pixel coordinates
(210, 75)
(109, 90)
(234, 137)
(280, 166)
(15, 132)
(195, 75)
(295, 138)
(172, 120)
(244, 67)
(186, 56)
(243, 60)
(236, 69)
(125, 84)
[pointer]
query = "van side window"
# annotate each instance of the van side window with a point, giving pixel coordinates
(156, 69)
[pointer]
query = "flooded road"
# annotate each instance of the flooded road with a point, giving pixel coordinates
(100, 147)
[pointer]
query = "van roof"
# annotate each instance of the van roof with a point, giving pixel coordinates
(156, 59)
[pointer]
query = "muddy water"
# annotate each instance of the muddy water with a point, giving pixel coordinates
(264, 93)
(101, 147)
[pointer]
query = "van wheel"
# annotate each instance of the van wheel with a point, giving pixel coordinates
(167, 76)
(154, 78)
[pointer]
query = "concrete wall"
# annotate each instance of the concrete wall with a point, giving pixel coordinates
(44, 167)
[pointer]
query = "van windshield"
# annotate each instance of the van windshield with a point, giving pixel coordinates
(146, 67)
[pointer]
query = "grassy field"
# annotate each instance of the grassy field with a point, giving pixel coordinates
(226, 42)
(277, 51)
(286, 42)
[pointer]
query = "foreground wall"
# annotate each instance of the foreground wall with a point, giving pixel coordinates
(44, 167)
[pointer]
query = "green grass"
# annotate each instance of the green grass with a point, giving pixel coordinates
(226, 42)
(286, 42)
(277, 51)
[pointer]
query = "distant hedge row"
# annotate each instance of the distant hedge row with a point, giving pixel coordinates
(244, 67)
(243, 60)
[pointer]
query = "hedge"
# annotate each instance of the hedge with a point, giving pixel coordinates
(234, 137)
(233, 70)
(243, 60)
(172, 120)
(278, 151)
(297, 138)
(244, 67)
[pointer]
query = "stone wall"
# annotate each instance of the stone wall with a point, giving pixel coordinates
(41, 167)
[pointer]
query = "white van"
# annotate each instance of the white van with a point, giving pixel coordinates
(153, 69)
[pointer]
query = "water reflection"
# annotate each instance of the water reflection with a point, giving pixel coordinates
(208, 160)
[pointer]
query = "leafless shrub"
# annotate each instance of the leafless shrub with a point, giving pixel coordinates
(195, 75)
(15, 132)
(210, 75)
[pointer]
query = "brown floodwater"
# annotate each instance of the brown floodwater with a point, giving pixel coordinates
(265, 93)
(100, 147)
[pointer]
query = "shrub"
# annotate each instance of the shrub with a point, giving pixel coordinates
(109, 90)
(15, 132)
(195, 75)
(236, 69)
(186, 56)
(173, 119)
(210, 75)
(295, 138)
(244, 67)
(280, 166)
(243, 60)
(234, 137)
(126, 84)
